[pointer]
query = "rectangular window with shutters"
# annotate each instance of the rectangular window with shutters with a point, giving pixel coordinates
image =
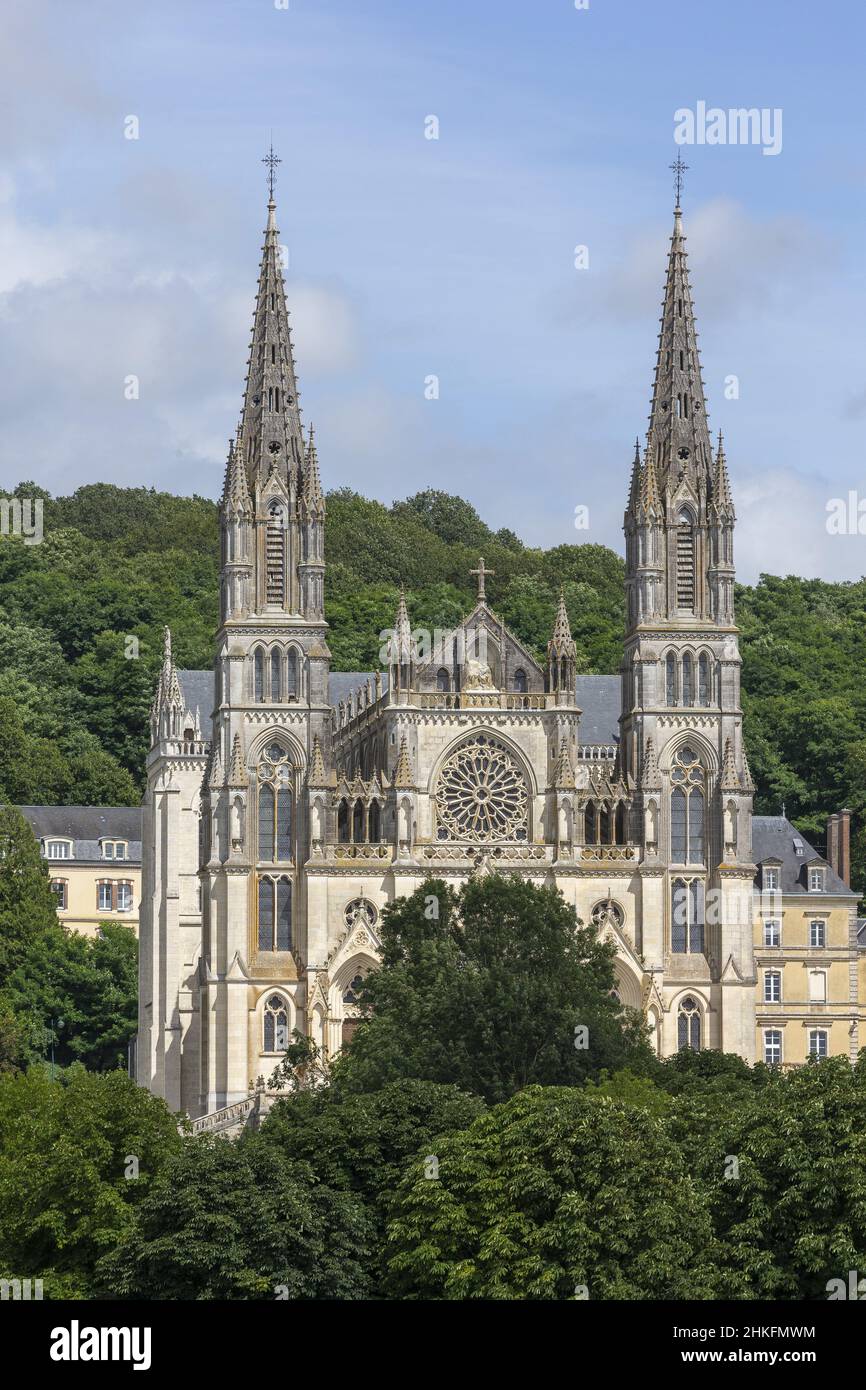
(124, 897)
(104, 897)
(58, 888)
(817, 986)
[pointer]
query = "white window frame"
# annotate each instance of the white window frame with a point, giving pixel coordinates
(101, 889)
(64, 884)
(53, 844)
(773, 1033)
(124, 889)
(770, 879)
(818, 1033)
(772, 926)
(817, 922)
(769, 977)
(816, 880)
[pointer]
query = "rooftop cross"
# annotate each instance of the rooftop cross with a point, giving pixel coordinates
(482, 574)
(272, 161)
(678, 169)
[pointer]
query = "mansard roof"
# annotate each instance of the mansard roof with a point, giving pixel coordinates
(773, 841)
(86, 827)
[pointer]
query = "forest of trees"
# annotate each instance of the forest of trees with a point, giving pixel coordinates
(118, 563)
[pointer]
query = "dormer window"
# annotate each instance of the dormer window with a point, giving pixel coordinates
(771, 879)
(58, 849)
(114, 849)
(816, 880)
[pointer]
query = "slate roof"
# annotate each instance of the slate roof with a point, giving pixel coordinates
(342, 683)
(773, 838)
(197, 688)
(86, 826)
(600, 699)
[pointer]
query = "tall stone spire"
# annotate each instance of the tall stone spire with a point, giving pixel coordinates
(270, 426)
(313, 496)
(678, 438)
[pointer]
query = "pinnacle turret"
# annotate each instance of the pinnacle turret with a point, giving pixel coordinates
(722, 500)
(564, 774)
(403, 771)
(313, 496)
(562, 642)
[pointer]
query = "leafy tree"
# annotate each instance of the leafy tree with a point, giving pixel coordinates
(791, 1215)
(27, 905)
(239, 1221)
(91, 983)
(488, 989)
(67, 1154)
(556, 1194)
(362, 1143)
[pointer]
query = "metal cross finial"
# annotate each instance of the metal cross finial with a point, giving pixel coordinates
(482, 573)
(679, 168)
(272, 161)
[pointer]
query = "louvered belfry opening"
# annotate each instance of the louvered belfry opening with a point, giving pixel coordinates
(685, 563)
(275, 558)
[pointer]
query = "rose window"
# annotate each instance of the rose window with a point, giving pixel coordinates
(607, 913)
(360, 910)
(481, 794)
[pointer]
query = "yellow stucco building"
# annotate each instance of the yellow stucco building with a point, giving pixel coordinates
(93, 855)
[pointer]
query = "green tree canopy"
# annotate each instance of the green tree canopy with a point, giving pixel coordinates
(68, 1152)
(556, 1194)
(487, 989)
(239, 1221)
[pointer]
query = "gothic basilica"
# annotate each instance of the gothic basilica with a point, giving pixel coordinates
(287, 805)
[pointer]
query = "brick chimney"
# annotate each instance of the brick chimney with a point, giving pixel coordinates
(839, 844)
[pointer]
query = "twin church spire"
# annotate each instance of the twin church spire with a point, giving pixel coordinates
(272, 506)
(679, 518)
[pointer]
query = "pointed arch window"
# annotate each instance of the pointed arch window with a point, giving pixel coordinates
(374, 823)
(687, 808)
(443, 680)
(343, 828)
(704, 679)
(689, 1025)
(688, 680)
(291, 673)
(276, 1025)
(604, 822)
(275, 806)
(685, 561)
(358, 819)
(275, 554)
(591, 824)
(275, 664)
(520, 681)
(259, 675)
(620, 824)
(670, 679)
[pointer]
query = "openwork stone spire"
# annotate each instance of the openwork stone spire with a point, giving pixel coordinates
(270, 427)
(678, 439)
(313, 496)
(564, 775)
(403, 771)
(562, 642)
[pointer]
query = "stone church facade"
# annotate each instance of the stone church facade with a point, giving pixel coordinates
(286, 806)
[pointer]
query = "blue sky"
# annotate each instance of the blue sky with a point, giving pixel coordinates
(452, 257)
